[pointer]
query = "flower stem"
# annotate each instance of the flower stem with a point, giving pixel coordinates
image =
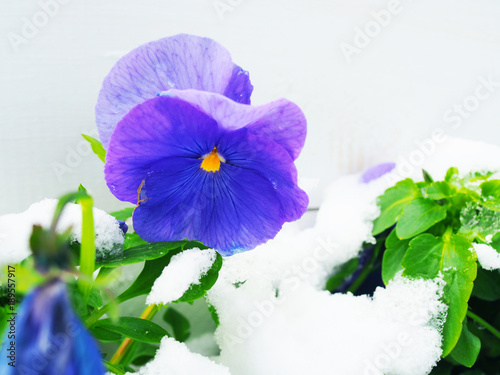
(367, 270)
(124, 347)
(484, 323)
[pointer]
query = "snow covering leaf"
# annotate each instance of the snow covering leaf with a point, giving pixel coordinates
(440, 190)
(207, 281)
(141, 253)
(418, 216)
(180, 325)
(392, 203)
(134, 328)
(393, 256)
(449, 256)
(467, 348)
(96, 146)
(152, 270)
(124, 214)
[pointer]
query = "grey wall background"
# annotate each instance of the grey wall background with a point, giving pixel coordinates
(375, 78)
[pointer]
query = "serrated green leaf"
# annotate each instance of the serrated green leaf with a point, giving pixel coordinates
(180, 325)
(418, 216)
(393, 256)
(490, 190)
(450, 256)
(141, 253)
(96, 146)
(343, 272)
(124, 214)
(134, 328)
(467, 348)
(392, 203)
(440, 190)
(207, 281)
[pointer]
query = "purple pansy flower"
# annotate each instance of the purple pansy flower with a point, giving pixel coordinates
(203, 167)
(185, 146)
(50, 339)
(178, 62)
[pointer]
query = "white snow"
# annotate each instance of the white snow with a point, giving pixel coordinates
(174, 358)
(276, 318)
(184, 269)
(15, 229)
(487, 256)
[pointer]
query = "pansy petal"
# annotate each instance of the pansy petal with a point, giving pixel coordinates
(280, 120)
(181, 62)
(157, 129)
(240, 206)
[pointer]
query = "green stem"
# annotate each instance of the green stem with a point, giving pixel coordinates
(484, 323)
(368, 268)
(113, 368)
(87, 252)
(123, 349)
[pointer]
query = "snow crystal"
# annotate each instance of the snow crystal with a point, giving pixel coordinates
(487, 256)
(15, 229)
(184, 269)
(174, 358)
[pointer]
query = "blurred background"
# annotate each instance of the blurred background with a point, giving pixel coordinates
(376, 79)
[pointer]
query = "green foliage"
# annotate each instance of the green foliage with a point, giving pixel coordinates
(96, 146)
(180, 325)
(123, 214)
(436, 224)
(341, 274)
(393, 202)
(134, 328)
(207, 281)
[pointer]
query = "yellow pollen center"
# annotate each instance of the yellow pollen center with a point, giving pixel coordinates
(211, 162)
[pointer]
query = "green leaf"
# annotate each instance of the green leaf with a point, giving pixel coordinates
(440, 190)
(428, 256)
(487, 285)
(392, 203)
(180, 325)
(490, 190)
(142, 353)
(141, 253)
(418, 216)
(96, 147)
(393, 256)
(467, 348)
(442, 368)
(132, 240)
(134, 328)
(427, 177)
(343, 272)
(105, 335)
(451, 174)
(123, 214)
(207, 281)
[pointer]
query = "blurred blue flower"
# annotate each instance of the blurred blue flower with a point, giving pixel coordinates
(49, 338)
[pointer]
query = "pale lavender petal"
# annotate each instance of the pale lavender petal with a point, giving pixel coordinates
(377, 171)
(181, 62)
